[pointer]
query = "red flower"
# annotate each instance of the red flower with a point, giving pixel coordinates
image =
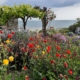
(1, 32)
(52, 61)
(26, 77)
(9, 35)
(45, 41)
(31, 39)
(68, 52)
(44, 78)
(58, 47)
(58, 55)
(23, 49)
(48, 49)
(33, 50)
(30, 45)
(63, 55)
(66, 76)
(65, 64)
(12, 32)
(25, 68)
(70, 71)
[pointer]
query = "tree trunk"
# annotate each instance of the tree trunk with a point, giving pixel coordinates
(24, 25)
(44, 27)
(25, 22)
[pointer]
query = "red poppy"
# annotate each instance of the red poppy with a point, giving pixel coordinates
(45, 41)
(52, 61)
(30, 45)
(48, 49)
(65, 64)
(33, 50)
(58, 47)
(1, 32)
(70, 71)
(25, 68)
(58, 55)
(12, 32)
(68, 52)
(9, 35)
(31, 39)
(26, 77)
(44, 78)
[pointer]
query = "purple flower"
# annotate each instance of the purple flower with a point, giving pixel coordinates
(59, 37)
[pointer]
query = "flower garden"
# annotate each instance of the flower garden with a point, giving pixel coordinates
(38, 57)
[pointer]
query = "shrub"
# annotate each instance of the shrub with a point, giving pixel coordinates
(64, 30)
(73, 27)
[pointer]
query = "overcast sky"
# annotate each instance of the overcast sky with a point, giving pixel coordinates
(64, 9)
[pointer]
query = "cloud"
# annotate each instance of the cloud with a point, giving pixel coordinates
(64, 9)
(2, 1)
(42, 3)
(67, 13)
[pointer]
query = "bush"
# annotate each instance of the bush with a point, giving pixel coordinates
(73, 27)
(64, 30)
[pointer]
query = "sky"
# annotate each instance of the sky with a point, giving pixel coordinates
(64, 9)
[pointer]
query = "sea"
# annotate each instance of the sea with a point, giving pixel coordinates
(37, 25)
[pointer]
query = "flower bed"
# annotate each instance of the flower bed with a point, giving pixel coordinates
(38, 58)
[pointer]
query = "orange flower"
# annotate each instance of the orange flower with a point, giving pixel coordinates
(58, 47)
(68, 52)
(58, 55)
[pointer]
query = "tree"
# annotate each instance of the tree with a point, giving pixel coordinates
(48, 16)
(25, 12)
(18, 11)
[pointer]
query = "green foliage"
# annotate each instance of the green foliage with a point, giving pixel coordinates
(18, 11)
(74, 26)
(5, 14)
(64, 30)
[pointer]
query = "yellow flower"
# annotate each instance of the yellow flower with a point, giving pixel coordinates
(43, 52)
(8, 41)
(5, 62)
(11, 58)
